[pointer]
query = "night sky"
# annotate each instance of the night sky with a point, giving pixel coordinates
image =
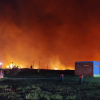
(58, 31)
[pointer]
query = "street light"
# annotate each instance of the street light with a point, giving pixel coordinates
(0, 65)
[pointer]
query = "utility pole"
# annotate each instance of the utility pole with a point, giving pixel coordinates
(0, 65)
(47, 65)
(39, 67)
(12, 65)
(33, 64)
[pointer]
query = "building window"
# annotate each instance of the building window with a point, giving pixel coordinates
(86, 65)
(96, 65)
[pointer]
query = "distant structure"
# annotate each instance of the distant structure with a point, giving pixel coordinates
(31, 66)
(87, 68)
(47, 65)
(39, 65)
(12, 64)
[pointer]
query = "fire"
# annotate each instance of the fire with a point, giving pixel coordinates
(35, 67)
(70, 69)
(63, 69)
(7, 66)
(55, 68)
(13, 66)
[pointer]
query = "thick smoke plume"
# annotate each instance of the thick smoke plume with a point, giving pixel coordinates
(68, 34)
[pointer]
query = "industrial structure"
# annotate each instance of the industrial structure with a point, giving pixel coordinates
(87, 68)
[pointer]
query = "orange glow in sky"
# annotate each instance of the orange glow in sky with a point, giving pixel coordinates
(33, 31)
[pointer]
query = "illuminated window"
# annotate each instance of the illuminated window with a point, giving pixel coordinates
(96, 66)
(85, 65)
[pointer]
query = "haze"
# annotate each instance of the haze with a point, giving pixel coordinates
(67, 34)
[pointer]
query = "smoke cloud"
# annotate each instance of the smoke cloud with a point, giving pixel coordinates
(68, 34)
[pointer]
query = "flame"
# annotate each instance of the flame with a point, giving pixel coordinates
(54, 64)
(7, 66)
(63, 69)
(13, 66)
(35, 67)
(43, 46)
(55, 68)
(20, 67)
(71, 68)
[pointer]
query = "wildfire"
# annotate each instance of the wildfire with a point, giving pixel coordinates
(35, 67)
(13, 66)
(63, 69)
(55, 68)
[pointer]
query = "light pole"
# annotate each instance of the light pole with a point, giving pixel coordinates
(33, 64)
(0, 65)
(39, 67)
(47, 65)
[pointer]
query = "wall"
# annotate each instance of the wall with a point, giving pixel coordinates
(96, 69)
(84, 68)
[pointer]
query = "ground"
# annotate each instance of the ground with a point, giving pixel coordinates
(49, 88)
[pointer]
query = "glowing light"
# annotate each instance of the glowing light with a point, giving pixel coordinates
(11, 66)
(55, 68)
(71, 69)
(7, 66)
(0, 63)
(14, 66)
(35, 68)
(20, 67)
(63, 69)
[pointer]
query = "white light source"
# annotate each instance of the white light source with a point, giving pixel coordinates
(7, 66)
(55, 68)
(0, 63)
(35, 68)
(11, 66)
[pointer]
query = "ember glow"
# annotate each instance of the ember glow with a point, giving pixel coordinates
(35, 68)
(55, 68)
(34, 30)
(13, 66)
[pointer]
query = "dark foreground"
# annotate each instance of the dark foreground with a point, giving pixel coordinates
(50, 89)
